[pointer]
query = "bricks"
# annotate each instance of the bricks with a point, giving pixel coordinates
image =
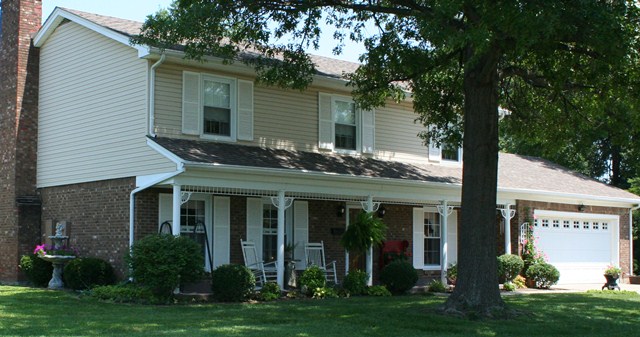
(19, 225)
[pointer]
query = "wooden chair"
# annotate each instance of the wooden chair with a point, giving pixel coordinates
(264, 272)
(314, 256)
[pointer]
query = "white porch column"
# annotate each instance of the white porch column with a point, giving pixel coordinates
(507, 214)
(282, 204)
(369, 256)
(444, 211)
(177, 201)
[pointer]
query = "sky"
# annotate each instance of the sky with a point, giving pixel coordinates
(138, 9)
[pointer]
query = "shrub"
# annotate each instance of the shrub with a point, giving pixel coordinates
(543, 274)
(126, 293)
(399, 277)
(161, 262)
(37, 270)
(509, 266)
(452, 273)
(436, 286)
(85, 273)
(232, 283)
(270, 292)
(324, 292)
(520, 282)
(378, 291)
(356, 282)
(312, 278)
(509, 286)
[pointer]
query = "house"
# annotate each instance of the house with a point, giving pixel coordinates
(131, 140)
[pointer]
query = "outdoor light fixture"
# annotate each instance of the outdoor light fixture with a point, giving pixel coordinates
(581, 208)
(381, 212)
(340, 211)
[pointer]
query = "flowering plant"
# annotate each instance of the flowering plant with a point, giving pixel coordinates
(45, 249)
(613, 271)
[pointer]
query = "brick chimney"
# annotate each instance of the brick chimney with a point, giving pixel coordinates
(19, 204)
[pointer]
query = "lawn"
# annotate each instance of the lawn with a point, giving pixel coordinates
(36, 312)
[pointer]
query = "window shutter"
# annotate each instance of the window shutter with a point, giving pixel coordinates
(452, 237)
(165, 208)
(418, 238)
(435, 153)
(221, 231)
(245, 110)
(191, 103)
(325, 122)
(300, 231)
(368, 131)
(254, 223)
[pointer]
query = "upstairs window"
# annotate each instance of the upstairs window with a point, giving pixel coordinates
(445, 152)
(450, 152)
(346, 126)
(343, 127)
(217, 107)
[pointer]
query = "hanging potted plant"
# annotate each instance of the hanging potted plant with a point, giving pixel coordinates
(367, 231)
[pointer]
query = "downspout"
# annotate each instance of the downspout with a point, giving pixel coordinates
(152, 95)
(631, 238)
(132, 198)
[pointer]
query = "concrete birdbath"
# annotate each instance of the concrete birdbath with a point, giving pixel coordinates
(58, 255)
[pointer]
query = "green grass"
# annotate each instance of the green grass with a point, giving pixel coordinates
(35, 312)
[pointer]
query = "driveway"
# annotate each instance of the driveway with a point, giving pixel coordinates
(577, 288)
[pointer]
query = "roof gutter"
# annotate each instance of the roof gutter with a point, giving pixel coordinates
(152, 95)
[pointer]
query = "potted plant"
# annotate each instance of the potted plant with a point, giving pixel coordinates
(368, 230)
(452, 274)
(612, 273)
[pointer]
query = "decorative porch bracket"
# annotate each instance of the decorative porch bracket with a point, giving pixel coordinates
(444, 210)
(281, 203)
(184, 197)
(507, 214)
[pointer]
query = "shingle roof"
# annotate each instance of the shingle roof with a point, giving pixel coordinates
(324, 66)
(514, 172)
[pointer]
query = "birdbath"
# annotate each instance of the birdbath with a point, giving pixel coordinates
(58, 256)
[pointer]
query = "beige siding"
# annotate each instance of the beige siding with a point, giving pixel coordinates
(92, 110)
(288, 119)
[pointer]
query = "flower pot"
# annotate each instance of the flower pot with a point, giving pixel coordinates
(612, 282)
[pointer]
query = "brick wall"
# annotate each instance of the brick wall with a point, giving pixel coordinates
(97, 216)
(19, 225)
(524, 206)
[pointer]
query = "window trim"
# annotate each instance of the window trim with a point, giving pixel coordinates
(233, 103)
(358, 125)
(424, 234)
(450, 160)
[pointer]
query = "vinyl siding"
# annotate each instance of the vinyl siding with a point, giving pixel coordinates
(288, 119)
(92, 110)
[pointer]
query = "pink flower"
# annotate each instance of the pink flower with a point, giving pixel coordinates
(40, 250)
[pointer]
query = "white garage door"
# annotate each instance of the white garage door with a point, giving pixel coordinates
(579, 245)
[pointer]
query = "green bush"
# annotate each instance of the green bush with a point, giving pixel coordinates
(436, 286)
(324, 292)
(162, 262)
(270, 292)
(543, 274)
(399, 277)
(452, 273)
(312, 278)
(127, 293)
(232, 283)
(509, 286)
(509, 266)
(37, 270)
(85, 273)
(356, 282)
(519, 282)
(378, 291)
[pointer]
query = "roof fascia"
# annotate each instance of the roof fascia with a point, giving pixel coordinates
(166, 153)
(567, 198)
(59, 15)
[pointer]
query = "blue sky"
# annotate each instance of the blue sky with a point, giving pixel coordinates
(138, 9)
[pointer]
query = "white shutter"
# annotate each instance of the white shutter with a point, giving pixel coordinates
(165, 208)
(435, 152)
(452, 237)
(418, 238)
(254, 223)
(368, 131)
(221, 231)
(300, 231)
(325, 122)
(245, 110)
(191, 103)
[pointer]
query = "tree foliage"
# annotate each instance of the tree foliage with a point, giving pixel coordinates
(460, 60)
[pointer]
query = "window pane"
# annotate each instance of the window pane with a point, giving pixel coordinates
(450, 152)
(217, 94)
(432, 234)
(345, 112)
(345, 137)
(217, 121)
(269, 232)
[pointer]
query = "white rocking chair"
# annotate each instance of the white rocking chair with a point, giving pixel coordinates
(314, 256)
(264, 272)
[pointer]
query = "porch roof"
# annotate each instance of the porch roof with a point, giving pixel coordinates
(516, 173)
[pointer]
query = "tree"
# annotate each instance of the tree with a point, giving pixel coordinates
(459, 59)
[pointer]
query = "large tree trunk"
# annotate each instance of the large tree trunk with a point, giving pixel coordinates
(477, 287)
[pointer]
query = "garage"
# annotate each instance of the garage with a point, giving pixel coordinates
(580, 245)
